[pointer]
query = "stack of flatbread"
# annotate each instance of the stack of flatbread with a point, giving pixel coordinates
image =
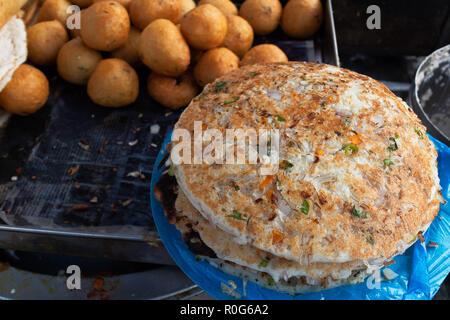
(356, 181)
(13, 44)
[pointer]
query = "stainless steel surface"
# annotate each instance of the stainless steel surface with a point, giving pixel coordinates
(430, 94)
(118, 247)
(330, 48)
(397, 86)
(161, 283)
(25, 275)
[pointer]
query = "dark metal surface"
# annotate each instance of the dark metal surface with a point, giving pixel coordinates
(430, 96)
(78, 154)
(408, 27)
(25, 275)
(330, 46)
(93, 245)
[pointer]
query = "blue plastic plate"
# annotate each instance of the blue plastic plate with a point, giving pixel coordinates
(421, 269)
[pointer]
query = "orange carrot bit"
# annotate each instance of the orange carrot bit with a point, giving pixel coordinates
(332, 98)
(268, 180)
(320, 152)
(277, 237)
(355, 139)
(204, 127)
(269, 193)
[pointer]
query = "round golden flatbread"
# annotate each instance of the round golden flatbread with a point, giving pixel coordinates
(357, 177)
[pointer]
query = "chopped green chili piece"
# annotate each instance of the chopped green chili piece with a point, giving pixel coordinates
(281, 119)
(356, 212)
(264, 263)
(231, 101)
(413, 240)
(370, 240)
(394, 145)
(220, 86)
(351, 148)
(419, 133)
(200, 96)
(236, 215)
(388, 162)
(305, 207)
(286, 165)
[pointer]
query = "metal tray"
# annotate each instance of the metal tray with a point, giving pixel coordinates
(74, 154)
(28, 275)
(429, 95)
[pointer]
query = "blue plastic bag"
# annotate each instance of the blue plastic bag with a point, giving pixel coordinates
(421, 269)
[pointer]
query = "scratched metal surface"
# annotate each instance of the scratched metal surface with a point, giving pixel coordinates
(110, 152)
(43, 276)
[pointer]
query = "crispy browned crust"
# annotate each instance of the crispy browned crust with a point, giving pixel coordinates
(325, 109)
(166, 191)
(205, 240)
(225, 246)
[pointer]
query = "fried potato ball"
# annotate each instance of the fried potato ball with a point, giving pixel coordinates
(240, 35)
(186, 6)
(143, 12)
(263, 15)
(162, 48)
(213, 64)
(173, 93)
(76, 62)
(114, 83)
(128, 51)
(302, 18)
(226, 6)
(54, 10)
(125, 3)
(83, 3)
(105, 26)
(205, 27)
(26, 93)
(264, 53)
(44, 40)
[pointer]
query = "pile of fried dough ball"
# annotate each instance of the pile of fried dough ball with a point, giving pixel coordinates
(185, 44)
